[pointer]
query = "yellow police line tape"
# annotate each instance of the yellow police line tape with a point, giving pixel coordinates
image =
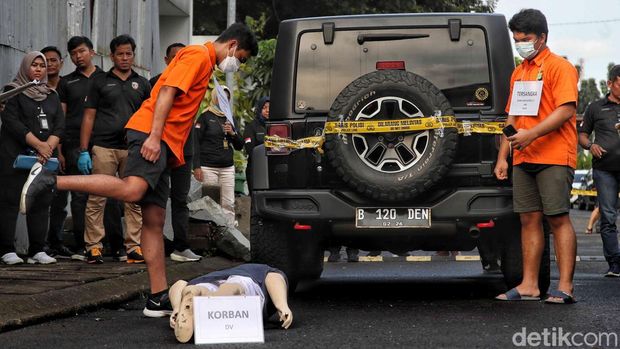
(466, 128)
(583, 192)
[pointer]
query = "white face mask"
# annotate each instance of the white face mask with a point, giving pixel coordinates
(526, 49)
(230, 64)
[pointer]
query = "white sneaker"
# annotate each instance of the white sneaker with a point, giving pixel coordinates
(41, 258)
(12, 258)
(184, 256)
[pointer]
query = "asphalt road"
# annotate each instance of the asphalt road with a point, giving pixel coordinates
(382, 304)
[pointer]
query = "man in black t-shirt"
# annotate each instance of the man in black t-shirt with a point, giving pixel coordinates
(112, 99)
(601, 117)
(72, 90)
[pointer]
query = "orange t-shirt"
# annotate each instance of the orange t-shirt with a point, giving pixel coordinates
(560, 79)
(190, 72)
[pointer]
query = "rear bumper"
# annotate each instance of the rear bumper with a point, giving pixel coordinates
(453, 218)
(477, 204)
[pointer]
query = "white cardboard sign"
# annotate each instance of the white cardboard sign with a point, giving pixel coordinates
(234, 319)
(526, 97)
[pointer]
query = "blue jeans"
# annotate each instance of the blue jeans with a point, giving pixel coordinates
(607, 183)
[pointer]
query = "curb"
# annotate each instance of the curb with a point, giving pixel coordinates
(69, 301)
(460, 258)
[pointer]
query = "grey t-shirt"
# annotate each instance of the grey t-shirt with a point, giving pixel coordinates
(601, 117)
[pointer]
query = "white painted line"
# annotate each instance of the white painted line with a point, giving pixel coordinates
(371, 259)
(419, 258)
(467, 258)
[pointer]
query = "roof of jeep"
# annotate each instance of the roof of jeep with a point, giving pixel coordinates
(399, 19)
(283, 79)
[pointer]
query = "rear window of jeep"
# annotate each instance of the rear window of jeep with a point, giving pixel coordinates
(459, 69)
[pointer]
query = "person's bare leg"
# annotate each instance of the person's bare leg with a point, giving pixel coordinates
(565, 243)
(152, 242)
(278, 292)
(532, 246)
(128, 189)
(596, 214)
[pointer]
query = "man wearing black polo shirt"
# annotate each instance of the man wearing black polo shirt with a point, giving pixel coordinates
(603, 117)
(72, 90)
(112, 99)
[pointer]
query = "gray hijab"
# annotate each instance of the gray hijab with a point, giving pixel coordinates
(38, 92)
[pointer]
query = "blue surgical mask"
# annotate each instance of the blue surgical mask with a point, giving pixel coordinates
(526, 49)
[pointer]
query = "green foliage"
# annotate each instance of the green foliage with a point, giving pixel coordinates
(518, 60)
(603, 83)
(254, 81)
(584, 161)
(588, 92)
(210, 15)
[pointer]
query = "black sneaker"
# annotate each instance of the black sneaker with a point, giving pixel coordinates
(492, 268)
(352, 255)
(62, 251)
(94, 256)
(614, 270)
(39, 186)
(79, 256)
(135, 256)
(158, 306)
(119, 256)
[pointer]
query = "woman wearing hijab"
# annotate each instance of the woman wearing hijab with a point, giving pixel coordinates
(32, 123)
(254, 135)
(214, 140)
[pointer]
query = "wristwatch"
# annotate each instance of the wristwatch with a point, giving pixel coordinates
(588, 146)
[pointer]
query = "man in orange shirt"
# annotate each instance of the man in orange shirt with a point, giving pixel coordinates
(156, 134)
(542, 105)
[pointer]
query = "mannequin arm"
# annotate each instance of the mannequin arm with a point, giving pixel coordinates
(277, 289)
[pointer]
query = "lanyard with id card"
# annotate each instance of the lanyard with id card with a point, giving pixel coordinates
(526, 96)
(42, 117)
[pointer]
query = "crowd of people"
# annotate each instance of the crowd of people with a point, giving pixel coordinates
(80, 119)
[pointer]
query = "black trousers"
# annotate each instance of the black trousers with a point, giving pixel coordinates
(36, 220)
(180, 178)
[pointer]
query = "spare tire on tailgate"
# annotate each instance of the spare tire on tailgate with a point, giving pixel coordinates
(391, 166)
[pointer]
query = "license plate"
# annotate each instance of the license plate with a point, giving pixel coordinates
(401, 217)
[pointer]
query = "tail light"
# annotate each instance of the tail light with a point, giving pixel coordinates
(282, 131)
(299, 226)
(486, 225)
(390, 65)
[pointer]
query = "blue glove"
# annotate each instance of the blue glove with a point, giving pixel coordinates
(85, 164)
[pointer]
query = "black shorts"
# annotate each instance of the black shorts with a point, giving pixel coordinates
(157, 174)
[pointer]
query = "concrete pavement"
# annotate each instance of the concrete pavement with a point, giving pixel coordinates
(36, 293)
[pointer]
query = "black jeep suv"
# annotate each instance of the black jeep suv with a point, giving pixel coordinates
(430, 189)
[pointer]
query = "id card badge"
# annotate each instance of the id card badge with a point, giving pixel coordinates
(526, 96)
(43, 122)
(225, 144)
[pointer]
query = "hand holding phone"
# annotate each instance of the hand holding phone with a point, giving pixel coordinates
(509, 131)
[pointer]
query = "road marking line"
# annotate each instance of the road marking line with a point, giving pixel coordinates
(419, 258)
(467, 258)
(371, 259)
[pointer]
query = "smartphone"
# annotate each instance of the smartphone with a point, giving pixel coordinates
(509, 131)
